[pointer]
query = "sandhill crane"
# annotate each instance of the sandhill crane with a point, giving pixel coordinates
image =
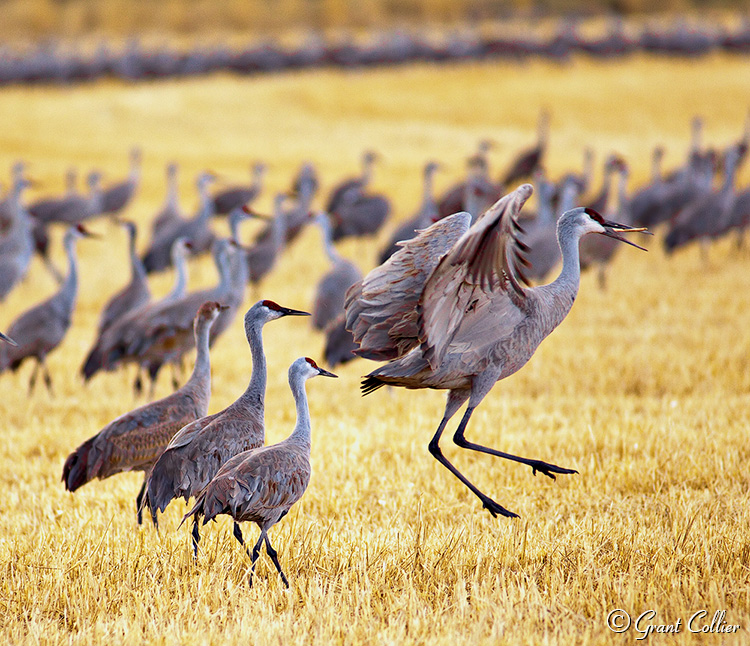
(701, 218)
(74, 208)
(116, 197)
(133, 441)
(17, 244)
(329, 294)
(527, 161)
(111, 349)
(544, 252)
(7, 339)
(134, 294)
(7, 204)
(363, 216)
(261, 485)
(649, 197)
(199, 450)
(349, 190)
(599, 250)
(228, 199)
(170, 212)
(262, 256)
(163, 334)
(296, 214)
(39, 330)
(450, 313)
(424, 217)
(477, 187)
(196, 229)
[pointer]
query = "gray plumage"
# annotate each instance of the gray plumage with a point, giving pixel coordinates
(262, 256)
(116, 197)
(339, 343)
(199, 450)
(449, 311)
(349, 190)
(17, 244)
(228, 199)
(329, 294)
(112, 347)
(261, 485)
(134, 294)
(424, 217)
(39, 330)
(197, 230)
(133, 441)
(73, 208)
(170, 212)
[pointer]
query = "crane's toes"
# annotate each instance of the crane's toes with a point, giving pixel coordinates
(548, 469)
(495, 509)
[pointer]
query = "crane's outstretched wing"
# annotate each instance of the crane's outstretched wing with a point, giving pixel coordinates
(381, 309)
(485, 265)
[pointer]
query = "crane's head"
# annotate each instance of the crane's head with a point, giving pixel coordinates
(265, 311)
(209, 311)
(587, 220)
(306, 368)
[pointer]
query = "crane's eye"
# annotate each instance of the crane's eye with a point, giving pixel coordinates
(311, 362)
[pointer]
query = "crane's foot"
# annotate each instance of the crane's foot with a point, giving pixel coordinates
(548, 469)
(495, 509)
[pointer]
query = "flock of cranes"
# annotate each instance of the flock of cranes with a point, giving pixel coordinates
(52, 62)
(448, 308)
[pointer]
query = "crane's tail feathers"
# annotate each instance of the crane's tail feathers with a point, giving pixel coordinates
(371, 384)
(75, 469)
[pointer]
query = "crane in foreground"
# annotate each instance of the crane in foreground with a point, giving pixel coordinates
(200, 449)
(261, 485)
(134, 441)
(449, 312)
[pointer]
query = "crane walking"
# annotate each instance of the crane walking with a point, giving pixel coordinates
(261, 485)
(199, 449)
(449, 311)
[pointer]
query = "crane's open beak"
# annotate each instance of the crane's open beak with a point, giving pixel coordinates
(325, 373)
(613, 230)
(7, 339)
(290, 312)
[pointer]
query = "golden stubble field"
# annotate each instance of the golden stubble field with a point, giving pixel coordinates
(645, 388)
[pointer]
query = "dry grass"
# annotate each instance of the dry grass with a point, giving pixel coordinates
(645, 389)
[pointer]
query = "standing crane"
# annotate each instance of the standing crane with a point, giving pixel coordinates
(17, 244)
(261, 485)
(228, 199)
(330, 292)
(39, 330)
(74, 207)
(196, 229)
(133, 441)
(134, 294)
(527, 161)
(116, 197)
(450, 313)
(349, 190)
(199, 449)
(170, 211)
(424, 217)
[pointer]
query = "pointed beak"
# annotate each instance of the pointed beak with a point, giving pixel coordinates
(254, 214)
(223, 308)
(85, 232)
(325, 373)
(7, 339)
(613, 230)
(285, 311)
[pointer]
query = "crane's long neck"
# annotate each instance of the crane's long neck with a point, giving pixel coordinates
(278, 230)
(545, 212)
(330, 250)
(206, 204)
(302, 430)
(173, 198)
(428, 196)
(256, 389)
(202, 369)
(730, 169)
(565, 287)
(180, 283)
(137, 270)
(70, 286)
(656, 167)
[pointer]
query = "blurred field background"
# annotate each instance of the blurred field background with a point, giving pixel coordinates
(645, 388)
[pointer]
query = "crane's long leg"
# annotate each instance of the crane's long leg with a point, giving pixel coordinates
(238, 535)
(32, 379)
(139, 501)
(536, 465)
(254, 557)
(275, 558)
(455, 399)
(47, 379)
(196, 538)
